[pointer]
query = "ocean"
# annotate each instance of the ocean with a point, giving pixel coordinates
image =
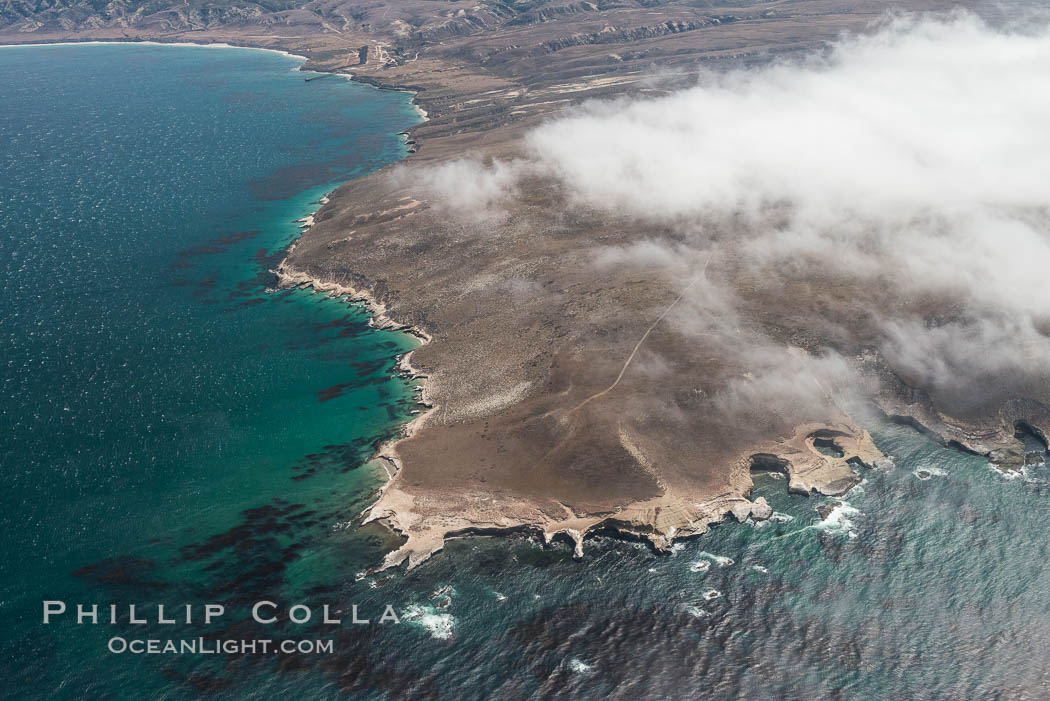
(173, 433)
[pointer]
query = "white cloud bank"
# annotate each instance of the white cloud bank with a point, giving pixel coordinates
(917, 156)
(941, 113)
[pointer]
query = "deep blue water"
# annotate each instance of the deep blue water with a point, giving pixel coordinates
(163, 442)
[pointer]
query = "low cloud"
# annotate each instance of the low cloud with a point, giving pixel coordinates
(469, 188)
(941, 114)
(998, 355)
(649, 253)
(788, 381)
(913, 161)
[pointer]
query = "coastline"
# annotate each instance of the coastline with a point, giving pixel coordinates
(428, 512)
(226, 45)
(288, 277)
(659, 520)
(239, 427)
(550, 353)
(807, 471)
(153, 42)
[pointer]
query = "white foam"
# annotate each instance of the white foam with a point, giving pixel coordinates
(697, 612)
(1005, 474)
(700, 566)
(579, 666)
(719, 560)
(885, 463)
(781, 518)
(439, 625)
(838, 520)
(446, 591)
(858, 488)
(925, 473)
(760, 568)
(1026, 470)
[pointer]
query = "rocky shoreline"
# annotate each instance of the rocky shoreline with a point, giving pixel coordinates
(658, 522)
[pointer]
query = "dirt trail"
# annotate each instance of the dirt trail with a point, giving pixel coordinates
(623, 370)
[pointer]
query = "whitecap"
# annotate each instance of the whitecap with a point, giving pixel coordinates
(500, 597)
(439, 625)
(838, 520)
(885, 463)
(697, 612)
(858, 488)
(760, 568)
(781, 517)
(1005, 474)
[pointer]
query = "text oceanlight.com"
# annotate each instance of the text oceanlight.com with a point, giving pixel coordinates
(202, 646)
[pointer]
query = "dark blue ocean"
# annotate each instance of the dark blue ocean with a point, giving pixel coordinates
(172, 433)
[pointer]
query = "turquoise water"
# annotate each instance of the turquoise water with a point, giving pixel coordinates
(152, 390)
(164, 442)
